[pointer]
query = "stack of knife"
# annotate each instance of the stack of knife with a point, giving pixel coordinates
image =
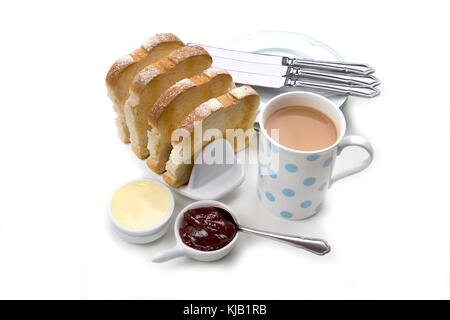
(274, 71)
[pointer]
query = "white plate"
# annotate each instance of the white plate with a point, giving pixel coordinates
(292, 45)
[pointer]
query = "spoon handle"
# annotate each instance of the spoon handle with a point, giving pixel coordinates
(317, 246)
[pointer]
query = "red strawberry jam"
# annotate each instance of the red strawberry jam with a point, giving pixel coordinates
(208, 228)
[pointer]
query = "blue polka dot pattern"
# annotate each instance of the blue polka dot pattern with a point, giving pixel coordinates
(313, 157)
(286, 214)
(309, 181)
(322, 186)
(327, 162)
(306, 204)
(291, 167)
(270, 197)
(259, 195)
(288, 192)
(272, 147)
(271, 173)
(318, 207)
(260, 173)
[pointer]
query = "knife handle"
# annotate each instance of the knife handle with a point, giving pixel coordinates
(366, 91)
(332, 66)
(350, 79)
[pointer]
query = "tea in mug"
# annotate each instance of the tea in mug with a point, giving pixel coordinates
(302, 128)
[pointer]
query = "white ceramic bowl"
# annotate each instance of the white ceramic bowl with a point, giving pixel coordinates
(181, 249)
(144, 235)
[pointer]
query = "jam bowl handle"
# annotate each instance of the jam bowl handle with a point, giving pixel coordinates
(169, 254)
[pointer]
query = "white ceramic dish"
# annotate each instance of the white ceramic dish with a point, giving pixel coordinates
(211, 181)
(182, 250)
(141, 236)
(290, 44)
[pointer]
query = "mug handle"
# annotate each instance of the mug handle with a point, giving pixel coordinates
(357, 141)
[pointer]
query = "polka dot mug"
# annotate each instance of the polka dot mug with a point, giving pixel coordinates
(292, 184)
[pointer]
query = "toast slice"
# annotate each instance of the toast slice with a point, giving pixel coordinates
(122, 72)
(236, 109)
(151, 82)
(175, 104)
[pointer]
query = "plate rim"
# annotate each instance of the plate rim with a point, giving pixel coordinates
(310, 40)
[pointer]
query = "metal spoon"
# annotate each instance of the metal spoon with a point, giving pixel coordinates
(317, 246)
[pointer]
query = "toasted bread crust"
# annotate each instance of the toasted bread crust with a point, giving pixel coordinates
(237, 109)
(178, 88)
(209, 107)
(150, 72)
(172, 181)
(150, 43)
(141, 154)
(117, 68)
(140, 53)
(167, 97)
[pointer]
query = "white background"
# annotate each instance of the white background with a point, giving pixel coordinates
(61, 158)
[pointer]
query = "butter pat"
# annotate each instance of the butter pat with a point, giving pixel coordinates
(140, 204)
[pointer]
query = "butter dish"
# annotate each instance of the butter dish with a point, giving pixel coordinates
(127, 216)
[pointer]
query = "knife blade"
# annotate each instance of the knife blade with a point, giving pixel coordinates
(286, 61)
(271, 81)
(255, 79)
(250, 67)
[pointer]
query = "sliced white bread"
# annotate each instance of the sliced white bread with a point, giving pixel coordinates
(151, 82)
(234, 110)
(175, 104)
(123, 71)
